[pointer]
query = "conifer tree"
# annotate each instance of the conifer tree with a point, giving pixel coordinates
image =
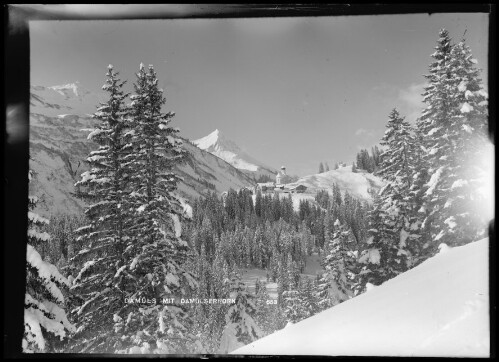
(149, 263)
(397, 168)
(337, 282)
(203, 274)
(45, 320)
(258, 203)
(374, 269)
(263, 313)
(453, 129)
(156, 150)
(109, 174)
(294, 305)
(321, 168)
(99, 282)
(240, 327)
(416, 196)
(308, 289)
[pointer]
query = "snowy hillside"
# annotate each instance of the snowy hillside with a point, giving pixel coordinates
(219, 145)
(58, 148)
(202, 167)
(356, 183)
(71, 98)
(439, 308)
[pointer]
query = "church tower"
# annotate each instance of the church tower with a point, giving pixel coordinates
(281, 177)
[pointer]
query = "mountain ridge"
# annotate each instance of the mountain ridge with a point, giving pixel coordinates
(221, 146)
(59, 147)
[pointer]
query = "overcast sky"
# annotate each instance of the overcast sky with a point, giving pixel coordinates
(289, 91)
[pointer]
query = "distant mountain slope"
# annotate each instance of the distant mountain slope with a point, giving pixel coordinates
(219, 145)
(202, 168)
(69, 98)
(58, 148)
(440, 308)
(356, 183)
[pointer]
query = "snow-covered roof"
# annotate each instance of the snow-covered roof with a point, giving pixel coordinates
(267, 184)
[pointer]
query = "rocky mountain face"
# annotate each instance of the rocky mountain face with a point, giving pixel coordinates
(60, 117)
(219, 145)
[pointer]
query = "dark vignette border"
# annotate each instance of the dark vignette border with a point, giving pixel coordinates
(16, 108)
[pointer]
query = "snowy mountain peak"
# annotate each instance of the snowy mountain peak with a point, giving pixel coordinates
(70, 98)
(66, 89)
(221, 146)
(208, 141)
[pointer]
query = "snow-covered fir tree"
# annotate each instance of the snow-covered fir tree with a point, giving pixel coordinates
(240, 326)
(293, 306)
(158, 251)
(100, 281)
(392, 217)
(148, 263)
(373, 269)
(430, 130)
(307, 289)
(209, 320)
(299, 301)
(45, 320)
(337, 282)
(156, 149)
(416, 196)
(264, 312)
(453, 129)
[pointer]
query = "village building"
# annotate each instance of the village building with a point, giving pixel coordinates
(265, 186)
(282, 180)
(299, 189)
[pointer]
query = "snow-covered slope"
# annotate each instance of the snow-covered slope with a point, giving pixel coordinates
(58, 148)
(219, 145)
(71, 98)
(204, 172)
(356, 183)
(439, 308)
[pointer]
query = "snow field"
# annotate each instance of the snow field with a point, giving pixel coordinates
(439, 308)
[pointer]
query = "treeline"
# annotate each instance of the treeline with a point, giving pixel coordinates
(366, 161)
(241, 231)
(240, 210)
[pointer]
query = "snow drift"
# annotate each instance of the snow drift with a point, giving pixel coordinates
(439, 308)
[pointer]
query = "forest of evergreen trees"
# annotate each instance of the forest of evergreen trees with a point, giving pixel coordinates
(128, 244)
(368, 162)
